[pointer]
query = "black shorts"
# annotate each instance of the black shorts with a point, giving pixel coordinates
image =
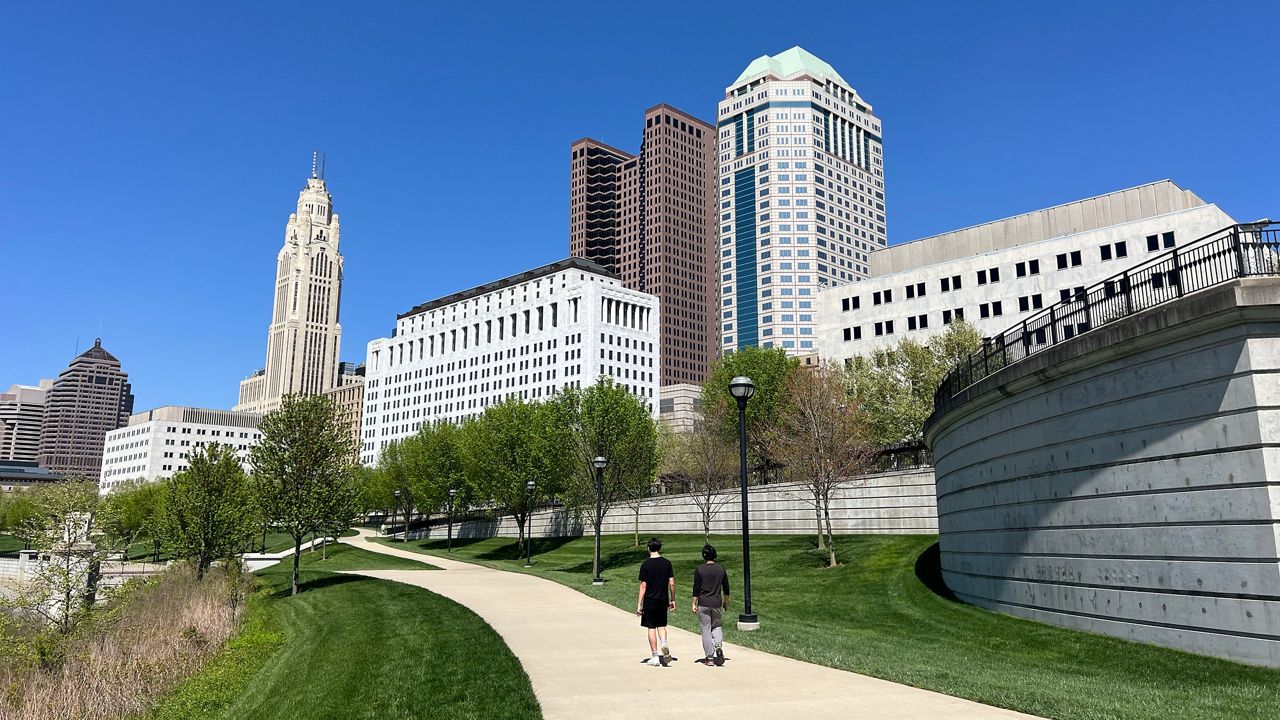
(654, 617)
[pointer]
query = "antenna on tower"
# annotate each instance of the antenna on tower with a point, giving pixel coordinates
(323, 157)
(314, 153)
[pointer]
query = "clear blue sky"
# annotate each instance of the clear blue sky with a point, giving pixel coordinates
(150, 153)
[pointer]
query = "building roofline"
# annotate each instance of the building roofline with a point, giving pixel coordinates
(571, 263)
(606, 146)
(682, 113)
(1040, 210)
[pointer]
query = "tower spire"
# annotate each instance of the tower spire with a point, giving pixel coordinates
(314, 153)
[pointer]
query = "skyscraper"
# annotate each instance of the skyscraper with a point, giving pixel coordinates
(304, 335)
(89, 398)
(801, 200)
(21, 415)
(650, 218)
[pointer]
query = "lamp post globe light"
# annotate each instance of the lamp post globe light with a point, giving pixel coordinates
(528, 513)
(742, 389)
(453, 492)
(599, 463)
(394, 511)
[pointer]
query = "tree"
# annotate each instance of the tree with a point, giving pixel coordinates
(894, 386)
(436, 466)
(209, 508)
(302, 469)
(511, 444)
(769, 370)
(19, 509)
(133, 511)
(60, 585)
(821, 441)
(609, 422)
(707, 465)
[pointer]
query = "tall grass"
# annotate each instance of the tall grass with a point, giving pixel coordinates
(153, 635)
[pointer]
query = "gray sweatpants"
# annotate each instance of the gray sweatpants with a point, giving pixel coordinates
(710, 620)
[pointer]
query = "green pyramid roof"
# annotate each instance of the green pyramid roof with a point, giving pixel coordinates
(791, 62)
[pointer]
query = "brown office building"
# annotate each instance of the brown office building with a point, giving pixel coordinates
(89, 398)
(651, 219)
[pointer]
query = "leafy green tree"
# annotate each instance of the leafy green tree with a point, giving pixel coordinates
(302, 469)
(822, 441)
(19, 509)
(61, 586)
(768, 369)
(609, 422)
(894, 386)
(436, 465)
(210, 511)
(133, 512)
(511, 444)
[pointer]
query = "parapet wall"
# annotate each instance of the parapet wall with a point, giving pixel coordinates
(901, 502)
(1125, 482)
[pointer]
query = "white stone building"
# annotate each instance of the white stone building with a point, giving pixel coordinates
(304, 335)
(1000, 273)
(801, 197)
(158, 443)
(525, 336)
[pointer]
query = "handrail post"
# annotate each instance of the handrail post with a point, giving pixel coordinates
(1128, 294)
(1235, 245)
(1177, 269)
(1053, 324)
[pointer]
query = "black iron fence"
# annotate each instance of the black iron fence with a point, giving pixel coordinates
(1234, 252)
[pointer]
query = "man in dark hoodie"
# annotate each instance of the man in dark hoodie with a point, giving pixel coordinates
(710, 603)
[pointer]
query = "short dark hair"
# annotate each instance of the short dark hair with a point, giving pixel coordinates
(655, 545)
(708, 552)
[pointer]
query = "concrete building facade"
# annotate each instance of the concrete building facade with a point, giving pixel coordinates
(680, 406)
(997, 274)
(526, 336)
(86, 401)
(304, 335)
(1122, 481)
(21, 415)
(158, 443)
(650, 218)
(348, 398)
(801, 203)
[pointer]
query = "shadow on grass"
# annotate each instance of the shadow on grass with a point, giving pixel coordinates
(929, 572)
(318, 583)
(537, 546)
(617, 558)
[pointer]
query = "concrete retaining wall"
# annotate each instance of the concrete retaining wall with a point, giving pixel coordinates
(1125, 482)
(901, 502)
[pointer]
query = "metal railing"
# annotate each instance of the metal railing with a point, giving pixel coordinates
(1234, 252)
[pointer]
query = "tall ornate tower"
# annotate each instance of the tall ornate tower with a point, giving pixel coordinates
(303, 339)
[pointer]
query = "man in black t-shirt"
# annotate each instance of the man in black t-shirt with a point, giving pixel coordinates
(656, 597)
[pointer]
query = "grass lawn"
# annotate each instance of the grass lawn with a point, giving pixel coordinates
(877, 615)
(354, 647)
(10, 544)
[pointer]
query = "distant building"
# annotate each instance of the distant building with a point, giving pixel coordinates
(21, 415)
(801, 203)
(1000, 273)
(304, 335)
(348, 397)
(87, 400)
(526, 336)
(680, 406)
(158, 443)
(651, 219)
(22, 474)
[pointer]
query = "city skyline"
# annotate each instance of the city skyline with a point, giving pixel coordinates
(195, 194)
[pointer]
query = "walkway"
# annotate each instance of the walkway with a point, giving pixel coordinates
(583, 657)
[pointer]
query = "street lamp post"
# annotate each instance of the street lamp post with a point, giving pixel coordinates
(742, 389)
(599, 464)
(453, 492)
(394, 510)
(528, 514)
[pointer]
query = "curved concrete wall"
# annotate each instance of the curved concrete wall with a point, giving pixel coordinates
(1125, 482)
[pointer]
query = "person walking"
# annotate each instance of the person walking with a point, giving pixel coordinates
(710, 603)
(656, 597)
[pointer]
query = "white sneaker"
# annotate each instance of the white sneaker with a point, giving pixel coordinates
(654, 661)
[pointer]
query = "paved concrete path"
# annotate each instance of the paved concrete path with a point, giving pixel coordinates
(583, 657)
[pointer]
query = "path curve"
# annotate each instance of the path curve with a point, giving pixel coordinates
(583, 658)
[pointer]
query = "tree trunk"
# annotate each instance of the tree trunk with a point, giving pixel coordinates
(817, 516)
(636, 539)
(520, 537)
(297, 557)
(324, 548)
(831, 540)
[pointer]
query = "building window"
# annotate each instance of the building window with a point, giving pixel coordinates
(1071, 259)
